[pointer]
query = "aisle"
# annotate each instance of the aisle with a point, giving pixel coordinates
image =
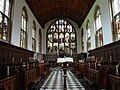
(55, 81)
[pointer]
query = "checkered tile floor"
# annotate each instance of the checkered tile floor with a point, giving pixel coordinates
(55, 81)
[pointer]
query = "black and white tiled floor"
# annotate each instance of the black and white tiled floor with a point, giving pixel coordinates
(55, 81)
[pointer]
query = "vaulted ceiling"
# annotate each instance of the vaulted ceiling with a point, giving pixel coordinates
(46, 10)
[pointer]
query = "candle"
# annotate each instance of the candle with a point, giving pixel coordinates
(21, 59)
(67, 64)
(117, 69)
(89, 64)
(8, 70)
(13, 59)
(96, 64)
(110, 58)
(57, 52)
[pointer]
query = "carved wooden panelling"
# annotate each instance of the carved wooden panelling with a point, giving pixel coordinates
(9, 83)
(8, 52)
(111, 50)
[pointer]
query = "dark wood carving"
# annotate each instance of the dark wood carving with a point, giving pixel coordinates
(114, 82)
(8, 83)
(93, 75)
(110, 52)
(10, 53)
(23, 69)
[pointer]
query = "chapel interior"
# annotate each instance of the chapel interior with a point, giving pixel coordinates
(59, 44)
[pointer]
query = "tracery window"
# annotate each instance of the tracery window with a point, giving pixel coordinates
(98, 28)
(61, 35)
(23, 33)
(5, 19)
(116, 18)
(34, 36)
(88, 35)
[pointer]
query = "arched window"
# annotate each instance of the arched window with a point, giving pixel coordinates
(82, 39)
(23, 33)
(34, 36)
(115, 5)
(88, 35)
(98, 27)
(5, 19)
(61, 35)
(40, 38)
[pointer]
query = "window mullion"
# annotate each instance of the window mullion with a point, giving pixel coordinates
(4, 6)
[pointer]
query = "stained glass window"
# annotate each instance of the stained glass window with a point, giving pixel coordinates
(61, 35)
(23, 33)
(98, 28)
(4, 20)
(88, 35)
(116, 18)
(34, 36)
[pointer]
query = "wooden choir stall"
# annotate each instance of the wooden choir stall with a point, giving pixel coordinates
(101, 69)
(18, 69)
